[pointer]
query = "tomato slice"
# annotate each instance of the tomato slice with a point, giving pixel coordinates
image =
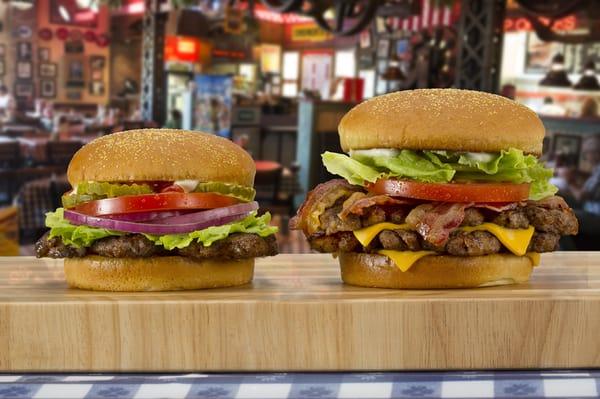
(452, 192)
(155, 202)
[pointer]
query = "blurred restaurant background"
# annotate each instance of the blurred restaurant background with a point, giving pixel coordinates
(276, 76)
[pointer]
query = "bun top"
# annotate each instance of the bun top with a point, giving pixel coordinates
(442, 119)
(163, 155)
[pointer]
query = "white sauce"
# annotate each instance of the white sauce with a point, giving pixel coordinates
(187, 185)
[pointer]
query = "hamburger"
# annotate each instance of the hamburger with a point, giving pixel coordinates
(441, 188)
(156, 210)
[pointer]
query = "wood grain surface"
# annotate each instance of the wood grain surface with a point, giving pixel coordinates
(297, 315)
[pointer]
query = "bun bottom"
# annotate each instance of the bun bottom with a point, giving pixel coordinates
(433, 272)
(165, 273)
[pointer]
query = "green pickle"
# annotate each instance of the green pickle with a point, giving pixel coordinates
(90, 191)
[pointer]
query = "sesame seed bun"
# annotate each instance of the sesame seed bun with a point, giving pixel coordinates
(442, 119)
(161, 155)
(164, 273)
(435, 272)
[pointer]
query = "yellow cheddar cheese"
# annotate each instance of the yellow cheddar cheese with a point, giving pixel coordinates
(404, 259)
(535, 258)
(516, 240)
(367, 234)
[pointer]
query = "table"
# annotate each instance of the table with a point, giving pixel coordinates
(503, 384)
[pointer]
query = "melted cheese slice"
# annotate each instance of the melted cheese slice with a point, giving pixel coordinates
(404, 259)
(366, 235)
(516, 240)
(535, 258)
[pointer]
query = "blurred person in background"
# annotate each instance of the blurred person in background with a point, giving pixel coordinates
(589, 108)
(588, 195)
(551, 108)
(8, 105)
(175, 121)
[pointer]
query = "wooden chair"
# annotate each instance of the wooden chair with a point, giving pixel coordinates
(59, 153)
(10, 154)
(267, 182)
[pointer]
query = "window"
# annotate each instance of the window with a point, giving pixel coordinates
(345, 63)
(291, 63)
(368, 76)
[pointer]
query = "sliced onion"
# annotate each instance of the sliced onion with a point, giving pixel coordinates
(145, 216)
(213, 217)
(202, 216)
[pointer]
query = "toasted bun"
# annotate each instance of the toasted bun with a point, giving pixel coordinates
(162, 154)
(442, 119)
(432, 272)
(164, 273)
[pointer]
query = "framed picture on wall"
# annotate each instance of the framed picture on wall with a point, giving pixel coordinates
(44, 54)
(47, 70)
(97, 62)
(96, 88)
(365, 38)
(24, 50)
(24, 89)
(48, 88)
(24, 70)
(383, 48)
(75, 73)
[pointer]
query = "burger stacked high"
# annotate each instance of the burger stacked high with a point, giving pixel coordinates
(159, 210)
(442, 188)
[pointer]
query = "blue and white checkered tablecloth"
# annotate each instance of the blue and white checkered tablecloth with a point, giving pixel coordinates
(498, 384)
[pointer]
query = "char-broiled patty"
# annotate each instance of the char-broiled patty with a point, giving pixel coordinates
(235, 246)
(460, 243)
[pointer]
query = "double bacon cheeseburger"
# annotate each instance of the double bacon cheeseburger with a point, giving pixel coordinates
(441, 188)
(155, 210)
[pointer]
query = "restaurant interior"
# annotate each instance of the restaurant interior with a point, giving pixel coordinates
(275, 77)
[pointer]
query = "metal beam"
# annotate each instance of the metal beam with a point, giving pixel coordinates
(480, 46)
(152, 99)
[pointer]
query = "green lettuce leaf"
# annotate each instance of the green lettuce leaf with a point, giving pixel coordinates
(77, 236)
(251, 224)
(444, 166)
(84, 236)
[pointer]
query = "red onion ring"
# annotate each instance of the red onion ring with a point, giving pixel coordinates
(188, 223)
(144, 216)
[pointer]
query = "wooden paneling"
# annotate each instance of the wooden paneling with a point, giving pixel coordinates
(297, 315)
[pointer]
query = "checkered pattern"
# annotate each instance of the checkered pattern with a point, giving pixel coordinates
(505, 384)
(34, 201)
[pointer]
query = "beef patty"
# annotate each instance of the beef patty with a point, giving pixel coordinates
(235, 246)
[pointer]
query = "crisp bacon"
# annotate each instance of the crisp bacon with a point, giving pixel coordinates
(435, 222)
(359, 202)
(320, 198)
(498, 206)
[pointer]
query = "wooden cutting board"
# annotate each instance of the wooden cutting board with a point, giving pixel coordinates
(297, 315)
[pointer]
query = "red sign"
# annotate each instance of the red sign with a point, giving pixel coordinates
(183, 49)
(522, 24)
(222, 53)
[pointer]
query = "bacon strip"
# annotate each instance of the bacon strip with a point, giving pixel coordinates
(434, 222)
(320, 198)
(357, 204)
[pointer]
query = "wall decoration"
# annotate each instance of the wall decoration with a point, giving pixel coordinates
(22, 32)
(89, 36)
(44, 54)
(383, 48)
(45, 34)
(75, 72)
(24, 50)
(366, 60)
(365, 38)
(24, 70)
(24, 90)
(102, 40)
(568, 145)
(96, 88)
(97, 62)
(62, 33)
(74, 95)
(74, 46)
(48, 88)
(47, 70)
